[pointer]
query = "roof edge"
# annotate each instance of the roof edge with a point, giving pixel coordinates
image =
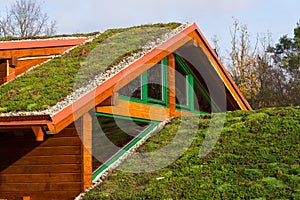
(42, 43)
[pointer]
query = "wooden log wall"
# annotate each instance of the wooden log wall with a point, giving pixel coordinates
(51, 169)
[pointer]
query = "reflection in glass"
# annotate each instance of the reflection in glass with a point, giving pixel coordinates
(200, 102)
(155, 82)
(113, 135)
(181, 85)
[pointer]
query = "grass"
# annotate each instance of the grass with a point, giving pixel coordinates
(51, 82)
(256, 157)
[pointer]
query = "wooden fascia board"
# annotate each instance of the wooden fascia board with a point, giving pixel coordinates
(246, 105)
(34, 52)
(23, 123)
(41, 43)
(74, 111)
(136, 110)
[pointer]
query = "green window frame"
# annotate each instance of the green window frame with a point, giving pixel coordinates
(152, 125)
(190, 90)
(145, 99)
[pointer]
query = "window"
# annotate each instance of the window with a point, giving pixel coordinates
(115, 133)
(181, 85)
(190, 95)
(113, 136)
(155, 82)
(201, 100)
(150, 87)
(133, 89)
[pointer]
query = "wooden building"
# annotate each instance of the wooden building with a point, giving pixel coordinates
(16, 57)
(47, 139)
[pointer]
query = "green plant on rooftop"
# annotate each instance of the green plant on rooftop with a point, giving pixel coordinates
(244, 164)
(127, 42)
(12, 38)
(51, 82)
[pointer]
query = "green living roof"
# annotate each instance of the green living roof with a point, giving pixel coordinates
(41, 88)
(256, 157)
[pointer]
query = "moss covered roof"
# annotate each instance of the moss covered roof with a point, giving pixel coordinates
(46, 85)
(256, 156)
(11, 38)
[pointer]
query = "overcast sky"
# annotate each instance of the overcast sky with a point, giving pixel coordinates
(214, 17)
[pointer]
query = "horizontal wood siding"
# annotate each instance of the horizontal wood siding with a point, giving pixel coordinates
(42, 170)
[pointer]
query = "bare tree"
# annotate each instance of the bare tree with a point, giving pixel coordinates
(260, 79)
(25, 18)
(242, 62)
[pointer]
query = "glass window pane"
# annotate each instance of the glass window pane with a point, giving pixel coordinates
(155, 82)
(133, 89)
(200, 102)
(181, 84)
(113, 135)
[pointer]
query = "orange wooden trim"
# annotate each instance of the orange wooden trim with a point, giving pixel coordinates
(9, 77)
(171, 85)
(7, 54)
(136, 110)
(41, 43)
(39, 134)
(26, 198)
(86, 138)
(179, 113)
(13, 123)
(51, 129)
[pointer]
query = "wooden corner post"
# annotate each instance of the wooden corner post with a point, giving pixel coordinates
(171, 84)
(86, 149)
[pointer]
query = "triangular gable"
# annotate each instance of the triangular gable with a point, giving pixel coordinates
(74, 111)
(105, 90)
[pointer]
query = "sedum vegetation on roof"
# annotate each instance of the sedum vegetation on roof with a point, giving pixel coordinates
(256, 157)
(43, 87)
(11, 38)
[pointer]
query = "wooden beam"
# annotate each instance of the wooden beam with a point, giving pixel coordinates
(111, 101)
(39, 43)
(51, 129)
(171, 85)
(178, 113)
(8, 54)
(21, 123)
(39, 134)
(86, 138)
(136, 110)
(13, 62)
